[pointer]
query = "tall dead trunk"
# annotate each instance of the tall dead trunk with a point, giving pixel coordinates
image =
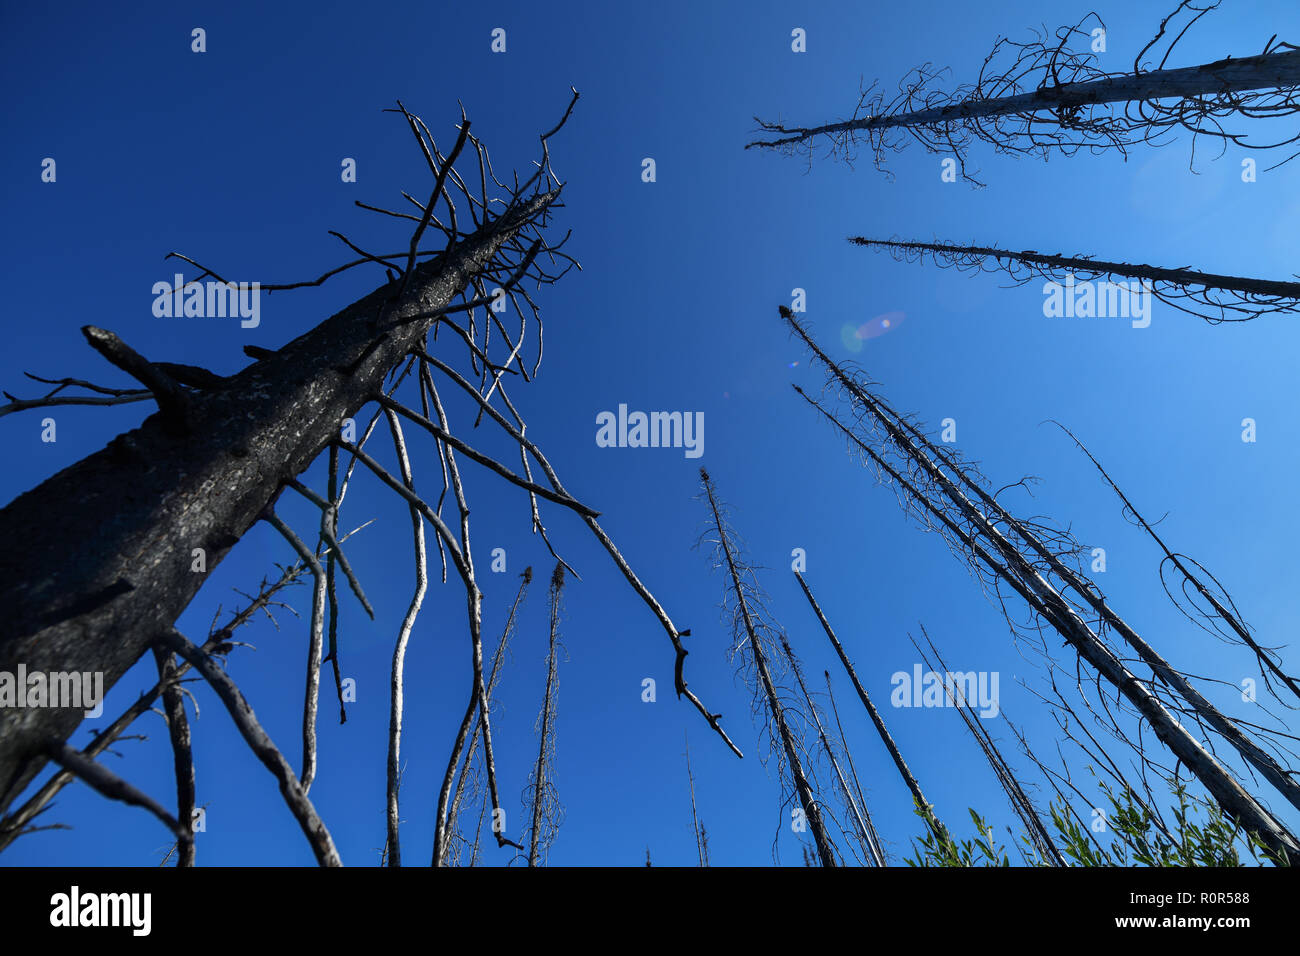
(1207, 295)
(1263, 72)
(803, 789)
(853, 770)
(95, 561)
(498, 660)
(701, 839)
(1020, 802)
(924, 806)
(866, 834)
(543, 796)
(1048, 96)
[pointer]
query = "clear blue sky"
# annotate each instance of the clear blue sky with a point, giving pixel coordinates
(233, 157)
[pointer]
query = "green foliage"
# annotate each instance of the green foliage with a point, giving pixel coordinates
(1200, 835)
(939, 849)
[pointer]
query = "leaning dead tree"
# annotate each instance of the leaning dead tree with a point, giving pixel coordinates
(1206, 295)
(1044, 96)
(753, 638)
(701, 835)
(923, 806)
(540, 795)
(1021, 805)
(96, 562)
(1041, 565)
(853, 770)
(864, 831)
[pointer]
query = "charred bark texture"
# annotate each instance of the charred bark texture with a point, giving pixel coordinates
(95, 561)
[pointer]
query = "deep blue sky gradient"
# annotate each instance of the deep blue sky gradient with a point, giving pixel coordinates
(233, 157)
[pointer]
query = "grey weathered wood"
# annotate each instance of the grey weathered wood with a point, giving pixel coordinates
(1266, 71)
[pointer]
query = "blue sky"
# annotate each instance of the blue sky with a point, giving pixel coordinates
(233, 157)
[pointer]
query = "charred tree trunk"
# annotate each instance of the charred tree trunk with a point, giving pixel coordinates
(923, 805)
(866, 834)
(1020, 802)
(543, 797)
(1202, 294)
(853, 771)
(803, 789)
(95, 562)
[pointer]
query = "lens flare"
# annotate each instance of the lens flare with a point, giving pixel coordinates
(853, 337)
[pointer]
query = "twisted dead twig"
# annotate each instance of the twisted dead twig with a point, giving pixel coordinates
(114, 787)
(19, 822)
(314, 648)
(478, 694)
(396, 683)
(531, 449)
(295, 795)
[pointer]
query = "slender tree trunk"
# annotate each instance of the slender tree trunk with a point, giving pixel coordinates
(546, 744)
(922, 804)
(1181, 278)
(853, 770)
(701, 847)
(864, 833)
(802, 788)
(498, 659)
(95, 561)
(1020, 802)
